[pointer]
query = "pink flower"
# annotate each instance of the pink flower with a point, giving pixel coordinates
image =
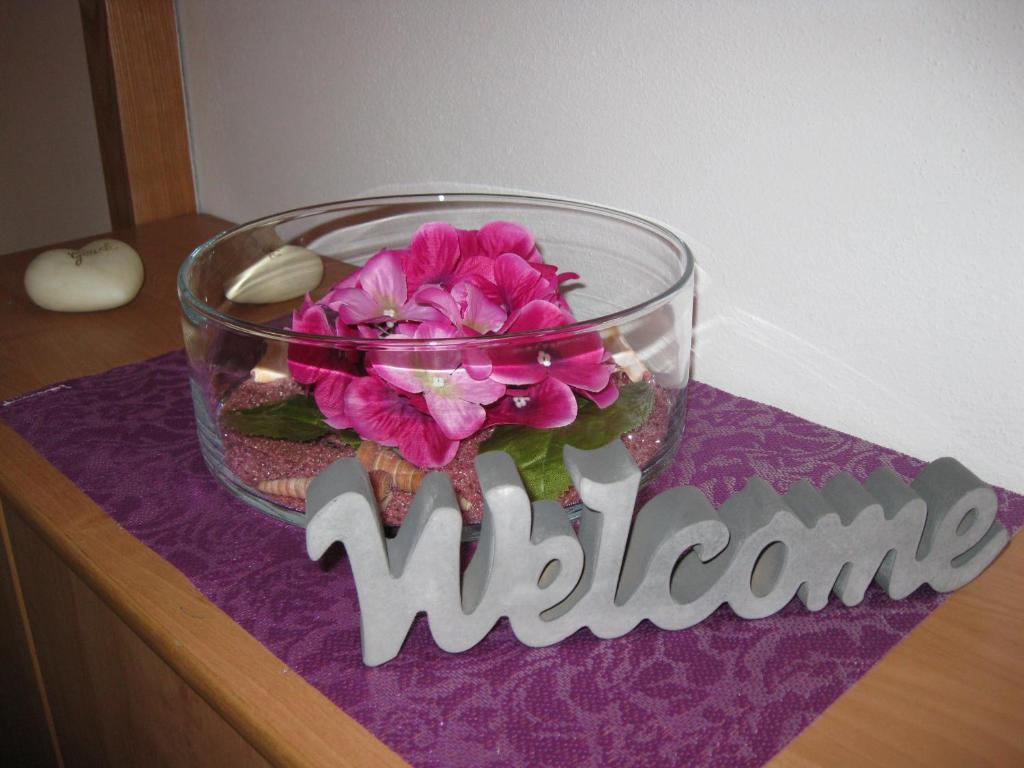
(329, 394)
(519, 283)
(604, 397)
(306, 361)
(390, 418)
(427, 397)
(436, 257)
(453, 398)
(381, 296)
(478, 312)
(466, 307)
(329, 371)
(575, 360)
(543, 406)
(502, 237)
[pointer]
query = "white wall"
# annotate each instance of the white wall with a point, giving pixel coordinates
(51, 179)
(852, 173)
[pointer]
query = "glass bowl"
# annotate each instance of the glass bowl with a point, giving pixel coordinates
(266, 425)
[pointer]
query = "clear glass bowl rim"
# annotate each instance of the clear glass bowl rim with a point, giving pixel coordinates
(190, 300)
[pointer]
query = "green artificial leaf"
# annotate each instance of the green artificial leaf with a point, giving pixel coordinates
(296, 418)
(538, 452)
(348, 436)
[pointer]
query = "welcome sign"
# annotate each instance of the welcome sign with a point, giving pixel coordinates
(673, 563)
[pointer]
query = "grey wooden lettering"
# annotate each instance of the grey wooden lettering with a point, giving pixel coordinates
(674, 564)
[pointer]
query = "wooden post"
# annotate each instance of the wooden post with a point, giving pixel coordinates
(135, 71)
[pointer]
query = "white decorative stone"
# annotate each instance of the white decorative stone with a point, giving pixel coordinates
(674, 563)
(101, 275)
(284, 273)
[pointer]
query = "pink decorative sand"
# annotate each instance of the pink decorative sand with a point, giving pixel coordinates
(255, 459)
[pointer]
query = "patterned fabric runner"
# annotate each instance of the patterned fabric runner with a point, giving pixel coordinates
(727, 692)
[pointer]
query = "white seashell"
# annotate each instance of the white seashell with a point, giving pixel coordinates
(101, 275)
(285, 273)
(273, 366)
(629, 362)
(624, 355)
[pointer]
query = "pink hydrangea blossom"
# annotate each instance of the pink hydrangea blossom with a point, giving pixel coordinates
(466, 307)
(436, 257)
(390, 418)
(545, 405)
(578, 361)
(328, 370)
(503, 237)
(453, 398)
(425, 398)
(306, 362)
(380, 296)
(519, 282)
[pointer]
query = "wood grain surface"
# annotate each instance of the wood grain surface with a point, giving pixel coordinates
(27, 735)
(135, 73)
(97, 567)
(951, 694)
(94, 663)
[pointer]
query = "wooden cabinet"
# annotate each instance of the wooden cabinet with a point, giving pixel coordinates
(111, 657)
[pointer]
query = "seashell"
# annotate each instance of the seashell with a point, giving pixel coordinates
(625, 356)
(273, 366)
(628, 362)
(297, 487)
(100, 275)
(404, 475)
(387, 471)
(284, 273)
(293, 487)
(381, 482)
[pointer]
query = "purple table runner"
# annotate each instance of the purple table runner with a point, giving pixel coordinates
(727, 692)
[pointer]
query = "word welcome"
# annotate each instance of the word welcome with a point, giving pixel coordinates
(674, 563)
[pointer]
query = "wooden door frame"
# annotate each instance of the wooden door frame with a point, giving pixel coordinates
(135, 71)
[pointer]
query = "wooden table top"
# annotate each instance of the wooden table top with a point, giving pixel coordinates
(952, 693)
